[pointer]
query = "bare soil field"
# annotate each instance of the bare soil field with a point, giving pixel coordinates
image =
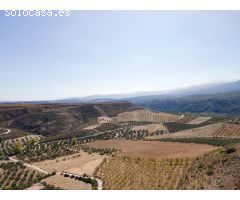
(36, 187)
(128, 173)
(146, 116)
(150, 127)
(199, 120)
(155, 149)
(67, 183)
(79, 163)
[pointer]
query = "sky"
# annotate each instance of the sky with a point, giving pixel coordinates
(109, 52)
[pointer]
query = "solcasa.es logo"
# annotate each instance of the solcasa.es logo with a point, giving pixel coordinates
(37, 13)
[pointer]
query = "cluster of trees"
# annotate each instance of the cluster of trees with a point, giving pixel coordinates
(216, 141)
(84, 179)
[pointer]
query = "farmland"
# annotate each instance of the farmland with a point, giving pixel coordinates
(151, 128)
(154, 149)
(123, 173)
(79, 163)
(66, 183)
(146, 116)
(67, 147)
(17, 176)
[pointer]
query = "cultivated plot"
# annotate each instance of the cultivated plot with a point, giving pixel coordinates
(155, 149)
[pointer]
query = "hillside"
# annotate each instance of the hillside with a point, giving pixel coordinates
(58, 118)
(219, 170)
(222, 103)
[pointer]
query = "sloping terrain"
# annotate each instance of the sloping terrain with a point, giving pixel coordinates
(58, 118)
(219, 170)
(227, 130)
(204, 131)
(146, 116)
(222, 103)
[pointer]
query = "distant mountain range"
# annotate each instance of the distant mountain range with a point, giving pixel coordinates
(221, 97)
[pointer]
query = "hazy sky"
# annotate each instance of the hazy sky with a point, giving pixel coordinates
(102, 52)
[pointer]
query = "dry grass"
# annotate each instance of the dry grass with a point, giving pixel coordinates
(127, 173)
(146, 116)
(150, 127)
(79, 163)
(67, 183)
(199, 120)
(154, 149)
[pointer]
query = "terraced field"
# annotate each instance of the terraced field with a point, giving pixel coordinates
(146, 116)
(128, 173)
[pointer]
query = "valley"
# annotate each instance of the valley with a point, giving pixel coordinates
(117, 146)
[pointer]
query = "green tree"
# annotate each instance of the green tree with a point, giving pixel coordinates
(18, 147)
(74, 141)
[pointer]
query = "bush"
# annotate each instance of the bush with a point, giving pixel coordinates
(229, 150)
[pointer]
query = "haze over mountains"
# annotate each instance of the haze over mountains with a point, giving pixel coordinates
(140, 97)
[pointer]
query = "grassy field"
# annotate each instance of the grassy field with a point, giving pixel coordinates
(128, 173)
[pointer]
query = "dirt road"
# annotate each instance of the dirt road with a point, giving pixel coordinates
(30, 166)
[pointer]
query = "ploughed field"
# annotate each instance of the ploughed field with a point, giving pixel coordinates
(154, 149)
